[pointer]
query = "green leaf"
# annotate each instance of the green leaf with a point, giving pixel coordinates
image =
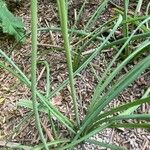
(85, 137)
(11, 24)
(134, 116)
(131, 125)
(85, 124)
(132, 109)
(96, 14)
(100, 87)
(40, 146)
(101, 117)
(64, 28)
(102, 144)
(13, 145)
(124, 107)
(28, 104)
(42, 98)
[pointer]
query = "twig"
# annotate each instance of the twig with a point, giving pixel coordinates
(47, 132)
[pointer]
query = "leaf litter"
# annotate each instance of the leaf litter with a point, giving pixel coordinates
(12, 90)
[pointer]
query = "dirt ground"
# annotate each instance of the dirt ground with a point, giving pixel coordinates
(11, 90)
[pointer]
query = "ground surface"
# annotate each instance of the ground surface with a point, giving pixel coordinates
(11, 90)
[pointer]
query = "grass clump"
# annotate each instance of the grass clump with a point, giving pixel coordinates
(97, 117)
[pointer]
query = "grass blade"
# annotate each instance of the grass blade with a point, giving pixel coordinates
(115, 90)
(84, 138)
(134, 116)
(138, 8)
(131, 125)
(10, 70)
(111, 112)
(106, 145)
(52, 108)
(122, 108)
(77, 18)
(53, 143)
(34, 21)
(64, 27)
(13, 145)
(91, 58)
(96, 14)
(132, 109)
(125, 25)
(100, 87)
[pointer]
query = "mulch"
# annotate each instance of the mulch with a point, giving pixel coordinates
(11, 90)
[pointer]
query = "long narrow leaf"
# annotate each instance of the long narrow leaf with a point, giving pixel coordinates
(91, 58)
(34, 21)
(132, 109)
(84, 138)
(100, 87)
(95, 15)
(115, 90)
(121, 108)
(131, 125)
(64, 27)
(134, 116)
(106, 145)
(43, 99)
(13, 145)
(53, 143)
